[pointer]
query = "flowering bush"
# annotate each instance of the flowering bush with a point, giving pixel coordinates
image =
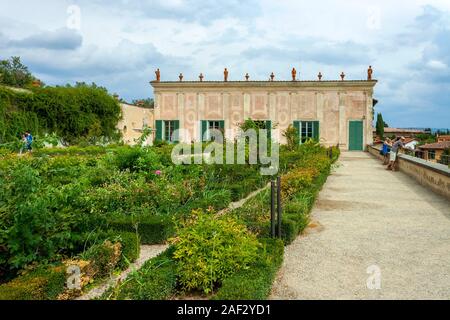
(208, 249)
(297, 180)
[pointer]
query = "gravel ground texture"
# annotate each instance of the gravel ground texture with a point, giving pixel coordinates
(374, 234)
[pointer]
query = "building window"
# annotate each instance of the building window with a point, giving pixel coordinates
(214, 125)
(431, 155)
(306, 130)
(169, 128)
(209, 129)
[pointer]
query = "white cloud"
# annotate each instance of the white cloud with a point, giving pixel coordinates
(124, 41)
(436, 64)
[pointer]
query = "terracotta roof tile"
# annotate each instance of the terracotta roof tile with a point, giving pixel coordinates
(437, 145)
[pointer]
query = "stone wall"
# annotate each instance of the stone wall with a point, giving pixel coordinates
(431, 175)
(332, 103)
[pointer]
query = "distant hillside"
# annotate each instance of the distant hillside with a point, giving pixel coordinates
(433, 130)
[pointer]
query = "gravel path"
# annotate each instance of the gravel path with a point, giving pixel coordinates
(367, 217)
(147, 252)
(235, 205)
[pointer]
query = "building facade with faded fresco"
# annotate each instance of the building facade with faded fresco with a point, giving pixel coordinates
(134, 120)
(333, 112)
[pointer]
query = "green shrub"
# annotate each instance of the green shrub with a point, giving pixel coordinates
(130, 248)
(128, 158)
(292, 137)
(217, 199)
(151, 229)
(302, 220)
(237, 191)
(255, 282)
(302, 201)
(45, 283)
(208, 249)
(289, 229)
(297, 180)
(72, 151)
(335, 153)
(104, 257)
(155, 280)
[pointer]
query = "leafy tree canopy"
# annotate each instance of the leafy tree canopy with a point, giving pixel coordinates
(14, 73)
(73, 113)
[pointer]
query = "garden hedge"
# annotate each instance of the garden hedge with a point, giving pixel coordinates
(47, 282)
(155, 280)
(130, 248)
(41, 284)
(255, 282)
(151, 229)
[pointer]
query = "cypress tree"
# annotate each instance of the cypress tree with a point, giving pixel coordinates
(380, 126)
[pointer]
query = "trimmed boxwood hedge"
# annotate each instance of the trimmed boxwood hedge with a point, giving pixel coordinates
(151, 229)
(41, 284)
(255, 282)
(130, 248)
(155, 280)
(47, 282)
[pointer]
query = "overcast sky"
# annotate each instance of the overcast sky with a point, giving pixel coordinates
(120, 45)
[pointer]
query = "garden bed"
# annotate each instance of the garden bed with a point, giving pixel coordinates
(56, 204)
(306, 169)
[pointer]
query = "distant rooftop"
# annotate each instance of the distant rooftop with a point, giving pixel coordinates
(437, 146)
(267, 83)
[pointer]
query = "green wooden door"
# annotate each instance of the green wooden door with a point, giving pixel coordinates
(355, 136)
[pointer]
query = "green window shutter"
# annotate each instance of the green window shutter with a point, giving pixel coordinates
(159, 130)
(316, 131)
(222, 124)
(204, 129)
(297, 127)
(176, 137)
(269, 129)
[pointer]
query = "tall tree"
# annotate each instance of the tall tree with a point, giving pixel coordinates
(380, 126)
(14, 73)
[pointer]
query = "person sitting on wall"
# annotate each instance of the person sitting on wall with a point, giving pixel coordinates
(399, 144)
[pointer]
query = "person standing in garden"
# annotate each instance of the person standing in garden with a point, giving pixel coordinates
(23, 146)
(29, 139)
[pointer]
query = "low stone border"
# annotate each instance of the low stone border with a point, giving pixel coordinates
(433, 176)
